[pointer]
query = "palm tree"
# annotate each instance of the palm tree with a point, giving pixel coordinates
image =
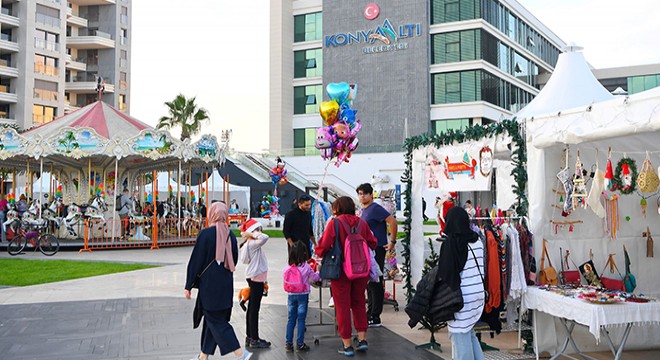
(185, 114)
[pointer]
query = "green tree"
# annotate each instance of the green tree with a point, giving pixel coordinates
(183, 113)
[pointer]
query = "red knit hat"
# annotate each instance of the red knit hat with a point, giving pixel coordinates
(250, 225)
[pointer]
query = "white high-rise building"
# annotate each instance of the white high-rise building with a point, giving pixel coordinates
(53, 53)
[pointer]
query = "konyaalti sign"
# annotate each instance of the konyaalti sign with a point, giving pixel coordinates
(383, 38)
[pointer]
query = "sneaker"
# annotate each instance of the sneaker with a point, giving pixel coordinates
(259, 344)
(248, 342)
(363, 345)
(288, 347)
(331, 303)
(375, 322)
(302, 347)
(246, 355)
(347, 351)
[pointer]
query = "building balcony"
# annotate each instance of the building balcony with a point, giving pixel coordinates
(42, 68)
(93, 2)
(45, 95)
(6, 118)
(76, 64)
(6, 70)
(85, 86)
(6, 44)
(7, 97)
(74, 19)
(96, 40)
(7, 18)
(69, 108)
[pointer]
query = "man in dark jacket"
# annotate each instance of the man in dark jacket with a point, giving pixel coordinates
(298, 223)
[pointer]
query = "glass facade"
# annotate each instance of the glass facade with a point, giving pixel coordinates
(478, 44)
(308, 27)
(306, 99)
(642, 83)
(477, 85)
(303, 141)
(454, 124)
(495, 13)
(307, 63)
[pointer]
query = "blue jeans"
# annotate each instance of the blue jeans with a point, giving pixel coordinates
(465, 346)
(297, 313)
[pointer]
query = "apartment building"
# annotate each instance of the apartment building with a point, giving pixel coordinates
(53, 54)
(421, 65)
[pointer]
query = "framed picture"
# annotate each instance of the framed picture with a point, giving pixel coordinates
(588, 270)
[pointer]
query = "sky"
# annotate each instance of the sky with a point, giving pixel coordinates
(218, 52)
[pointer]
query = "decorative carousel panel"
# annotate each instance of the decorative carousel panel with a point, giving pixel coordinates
(11, 143)
(207, 149)
(77, 142)
(153, 144)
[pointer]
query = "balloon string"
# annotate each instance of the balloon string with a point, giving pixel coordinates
(325, 173)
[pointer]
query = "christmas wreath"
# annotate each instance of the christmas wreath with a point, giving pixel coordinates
(625, 176)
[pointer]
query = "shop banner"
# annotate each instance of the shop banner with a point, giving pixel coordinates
(463, 167)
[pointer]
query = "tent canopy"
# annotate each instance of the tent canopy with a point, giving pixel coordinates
(572, 84)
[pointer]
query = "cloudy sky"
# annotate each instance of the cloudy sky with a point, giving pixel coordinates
(218, 52)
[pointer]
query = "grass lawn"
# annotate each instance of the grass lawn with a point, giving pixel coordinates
(271, 233)
(400, 235)
(19, 272)
(430, 222)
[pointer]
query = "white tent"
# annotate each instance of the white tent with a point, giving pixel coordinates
(572, 84)
(631, 127)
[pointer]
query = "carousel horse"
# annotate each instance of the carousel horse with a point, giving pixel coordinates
(93, 211)
(51, 213)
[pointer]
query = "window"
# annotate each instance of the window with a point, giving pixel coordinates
(124, 15)
(45, 90)
(308, 27)
(124, 36)
(303, 141)
(123, 58)
(45, 65)
(46, 40)
(306, 99)
(454, 124)
(122, 102)
(47, 16)
(123, 84)
(43, 114)
(444, 11)
(308, 63)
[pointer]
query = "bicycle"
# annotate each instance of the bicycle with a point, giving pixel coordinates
(48, 244)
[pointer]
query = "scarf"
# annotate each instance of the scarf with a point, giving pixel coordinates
(218, 217)
(454, 251)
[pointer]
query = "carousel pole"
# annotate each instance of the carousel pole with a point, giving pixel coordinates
(41, 183)
(154, 229)
(27, 182)
(190, 184)
(79, 198)
(50, 190)
(114, 198)
(178, 190)
(13, 183)
(89, 183)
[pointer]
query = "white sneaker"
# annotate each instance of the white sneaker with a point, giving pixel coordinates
(331, 303)
(246, 355)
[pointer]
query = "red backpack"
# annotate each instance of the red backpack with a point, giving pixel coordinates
(293, 282)
(357, 259)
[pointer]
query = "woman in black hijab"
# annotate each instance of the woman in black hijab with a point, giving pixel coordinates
(461, 266)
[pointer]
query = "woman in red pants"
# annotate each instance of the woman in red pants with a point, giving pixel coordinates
(348, 294)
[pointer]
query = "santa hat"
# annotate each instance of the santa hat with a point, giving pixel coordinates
(625, 169)
(609, 174)
(453, 195)
(250, 225)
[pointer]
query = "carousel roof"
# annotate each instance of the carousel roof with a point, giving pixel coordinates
(106, 120)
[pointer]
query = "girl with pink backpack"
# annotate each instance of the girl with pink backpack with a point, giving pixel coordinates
(297, 277)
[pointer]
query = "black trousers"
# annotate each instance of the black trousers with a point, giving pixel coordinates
(376, 291)
(217, 332)
(252, 316)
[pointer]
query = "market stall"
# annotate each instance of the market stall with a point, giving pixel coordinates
(583, 167)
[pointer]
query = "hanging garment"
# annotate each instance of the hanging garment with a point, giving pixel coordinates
(593, 200)
(517, 273)
(493, 270)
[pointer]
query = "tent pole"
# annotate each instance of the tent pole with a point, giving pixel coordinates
(41, 183)
(213, 182)
(114, 198)
(178, 190)
(50, 189)
(207, 194)
(27, 182)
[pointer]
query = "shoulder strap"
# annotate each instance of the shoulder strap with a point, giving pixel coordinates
(612, 265)
(346, 227)
(206, 268)
(545, 254)
(477, 263)
(336, 220)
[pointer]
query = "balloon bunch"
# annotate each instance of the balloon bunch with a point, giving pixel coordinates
(192, 196)
(58, 192)
(170, 191)
(338, 137)
(278, 173)
(269, 206)
(11, 198)
(99, 190)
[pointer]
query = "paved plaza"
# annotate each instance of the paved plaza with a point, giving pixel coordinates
(144, 315)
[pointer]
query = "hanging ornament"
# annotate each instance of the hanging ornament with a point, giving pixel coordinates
(579, 194)
(625, 176)
(609, 173)
(612, 217)
(561, 198)
(643, 205)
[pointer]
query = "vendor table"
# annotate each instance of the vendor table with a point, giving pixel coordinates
(596, 317)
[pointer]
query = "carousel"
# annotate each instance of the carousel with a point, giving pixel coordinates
(84, 161)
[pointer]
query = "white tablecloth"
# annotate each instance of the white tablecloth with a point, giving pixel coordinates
(592, 315)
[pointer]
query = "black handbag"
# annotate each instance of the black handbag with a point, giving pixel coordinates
(332, 261)
(198, 313)
(195, 283)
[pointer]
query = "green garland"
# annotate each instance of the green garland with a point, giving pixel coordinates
(618, 181)
(475, 132)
